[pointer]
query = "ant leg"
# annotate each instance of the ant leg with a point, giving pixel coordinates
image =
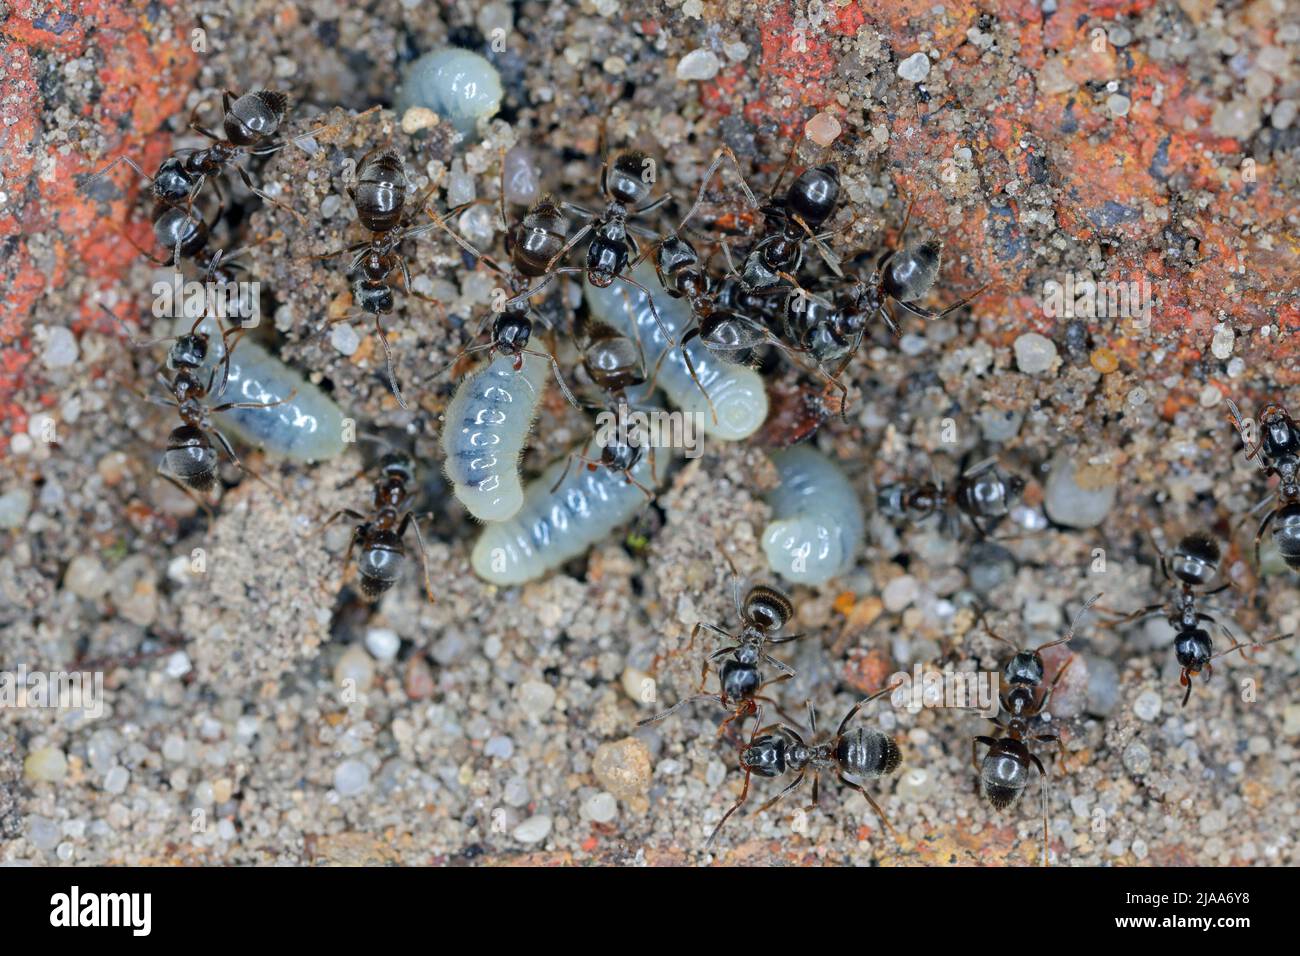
(248, 182)
(663, 329)
(388, 354)
(573, 241)
(974, 750)
(790, 788)
(789, 159)
(678, 706)
(342, 513)
(925, 313)
(559, 376)
(828, 256)
(1263, 526)
(1043, 787)
(121, 159)
(424, 554)
(230, 451)
(226, 406)
(866, 700)
(744, 794)
(1238, 423)
(874, 806)
(207, 508)
(565, 473)
(723, 152)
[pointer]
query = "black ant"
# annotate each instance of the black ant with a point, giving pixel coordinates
(763, 613)
(981, 493)
(190, 461)
(1004, 772)
(904, 275)
(1194, 563)
(613, 363)
(789, 224)
(778, 749)
(380, 200)
(380, 535)
(249, 124)
(1278, 451)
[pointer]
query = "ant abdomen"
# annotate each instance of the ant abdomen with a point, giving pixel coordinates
(910, 272)
(626, 181)
(176, 227)
(1286, 534)
(1196, 559)
(191, 458)
(255, 117)
(1004, 774)
(380, 563)
(863, 752)
(380, 193)
(812, 197)
(768, 608)
(539, 237)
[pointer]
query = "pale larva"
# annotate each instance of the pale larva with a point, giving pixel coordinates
(307, 427)
(736, 391)
(554, 526)
(486, 425)
(817, 520)
(458, 85)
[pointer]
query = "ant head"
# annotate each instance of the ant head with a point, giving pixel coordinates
(630, 178)
(620, 456)
(1025, 668)
(188, 352)
(1196, 559)
(255, 117)
(813, 194)
(172, 183)
(1193, 648)
(1280, 436)
(765, 756)
(511, 332)
(397, 464)
(739, 681)
(767, 608)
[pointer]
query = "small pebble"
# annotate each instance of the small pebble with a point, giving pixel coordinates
(623, 767)
(115, 780)
(1210, 396)
(1238, 119)
(1104, 361)
(86, 577)
(418, 118)
(1035, 353)
(1137, 758)
(533, 830)
(1224, 338)
(1283, 114)
(14, 507)
(699, 64)
(42, 833)
(522, 176)
(1147, 705)
(351, 777)
(60, 347)
(355, 669)
(900, 593)
(823, 129)
(535, 698)
(1103, 686)
(601, 807)
(915, 68)
(330, 205)
(1067, 503)
(47, 764)
(500, 747)
(383, 643)
(1118, 104)
(345, 339)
